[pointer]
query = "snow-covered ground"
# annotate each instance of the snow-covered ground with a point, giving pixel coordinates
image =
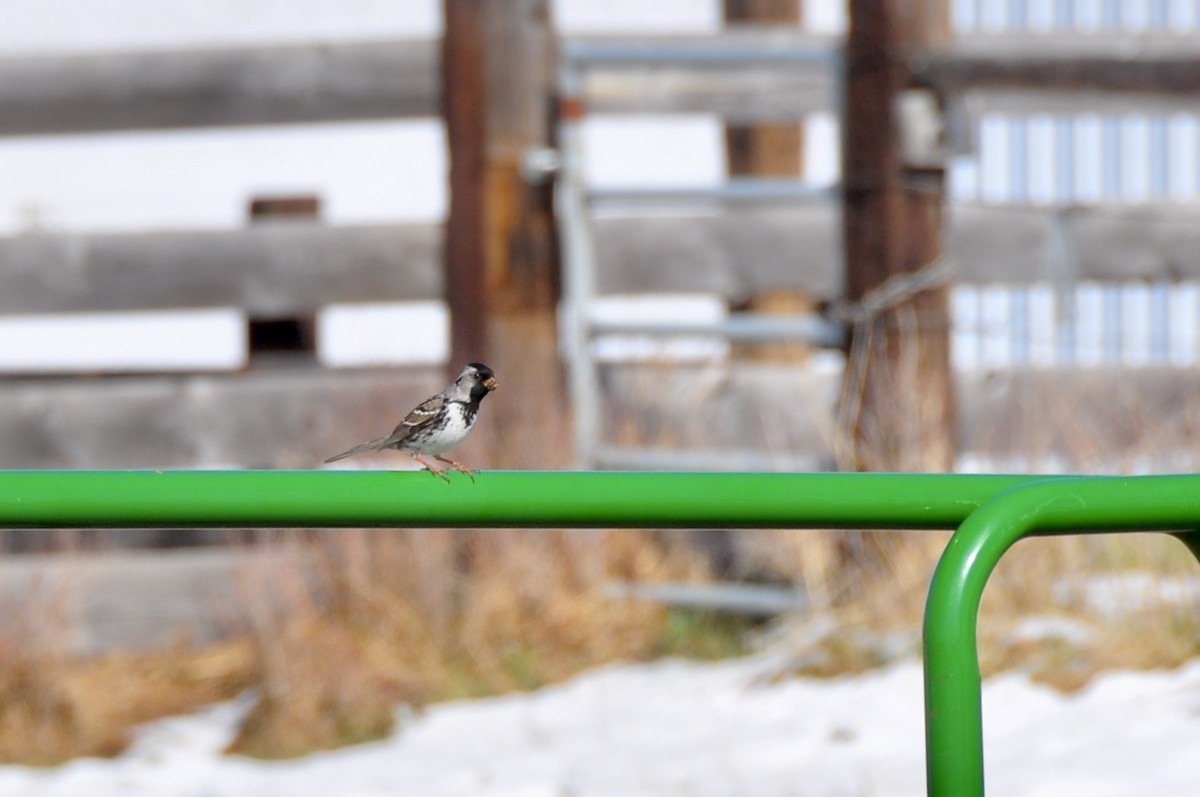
(683, 728)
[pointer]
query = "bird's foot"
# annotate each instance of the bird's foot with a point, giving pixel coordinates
(438, 472)
(458, 467)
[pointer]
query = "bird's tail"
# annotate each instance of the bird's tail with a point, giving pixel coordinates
(373, 445)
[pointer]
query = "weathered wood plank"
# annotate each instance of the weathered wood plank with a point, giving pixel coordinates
(1083, 419)
(271, 270)
(328, 82)
(274, 418)
(1016, 73)
(218, 87)
(745, 74)
(738, 254)
(748, 250)
(1060, 102)
(117, 599)
(1077, 418)
(999, 245)
(399, 79)
(1136, 243)
(1007, 245)
(1152, 63)
(747, 94)
(137, 600)
(291, 269)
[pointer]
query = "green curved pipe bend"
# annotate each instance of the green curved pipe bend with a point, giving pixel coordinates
(953, 714)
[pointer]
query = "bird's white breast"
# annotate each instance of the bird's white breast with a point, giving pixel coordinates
(455, 431)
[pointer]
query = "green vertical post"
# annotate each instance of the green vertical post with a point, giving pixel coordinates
(953, 710)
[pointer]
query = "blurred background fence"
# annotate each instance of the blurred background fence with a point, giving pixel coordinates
(1068, 136)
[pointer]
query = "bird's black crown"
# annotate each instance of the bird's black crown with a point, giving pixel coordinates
(483, 370)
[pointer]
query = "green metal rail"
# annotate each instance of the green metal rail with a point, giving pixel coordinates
(990, 512)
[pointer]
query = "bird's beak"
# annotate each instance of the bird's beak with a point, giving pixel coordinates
(490, 383)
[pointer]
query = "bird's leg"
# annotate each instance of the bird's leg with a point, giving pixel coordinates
(460, 468)
(441, 474)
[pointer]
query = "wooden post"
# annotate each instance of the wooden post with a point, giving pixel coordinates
(764, 150)
(464, 96)
(896, 410)
(531, 427)
(768, 150)
(501, 256)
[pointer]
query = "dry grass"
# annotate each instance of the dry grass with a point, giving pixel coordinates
(414, 616)
(1037, 616)
(358, 623)
(383, 618)
(54, 707)
(1051, 580)
(535, 610)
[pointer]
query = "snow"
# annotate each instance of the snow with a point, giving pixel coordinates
(686, 728)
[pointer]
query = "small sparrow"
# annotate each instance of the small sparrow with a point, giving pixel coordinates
(439, 423)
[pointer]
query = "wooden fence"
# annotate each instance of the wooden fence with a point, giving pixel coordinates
(290, 416)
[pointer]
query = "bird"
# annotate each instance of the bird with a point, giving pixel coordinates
(437, 424)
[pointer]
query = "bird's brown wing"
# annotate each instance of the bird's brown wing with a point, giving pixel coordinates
(422, 414)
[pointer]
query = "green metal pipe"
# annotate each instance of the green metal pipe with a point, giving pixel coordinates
(953, 712)
(503, 499)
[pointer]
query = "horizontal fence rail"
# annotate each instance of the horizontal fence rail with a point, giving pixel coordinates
(991, 514)
(269, 270)
(94, 499)
(295, 267)
(780, 75)
(161, 90)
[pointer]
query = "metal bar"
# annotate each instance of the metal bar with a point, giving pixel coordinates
(742, 191)
(505, 499)
(755, 600)
(741, 328)
(578, 258)
(953, 711)
(728, 50)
